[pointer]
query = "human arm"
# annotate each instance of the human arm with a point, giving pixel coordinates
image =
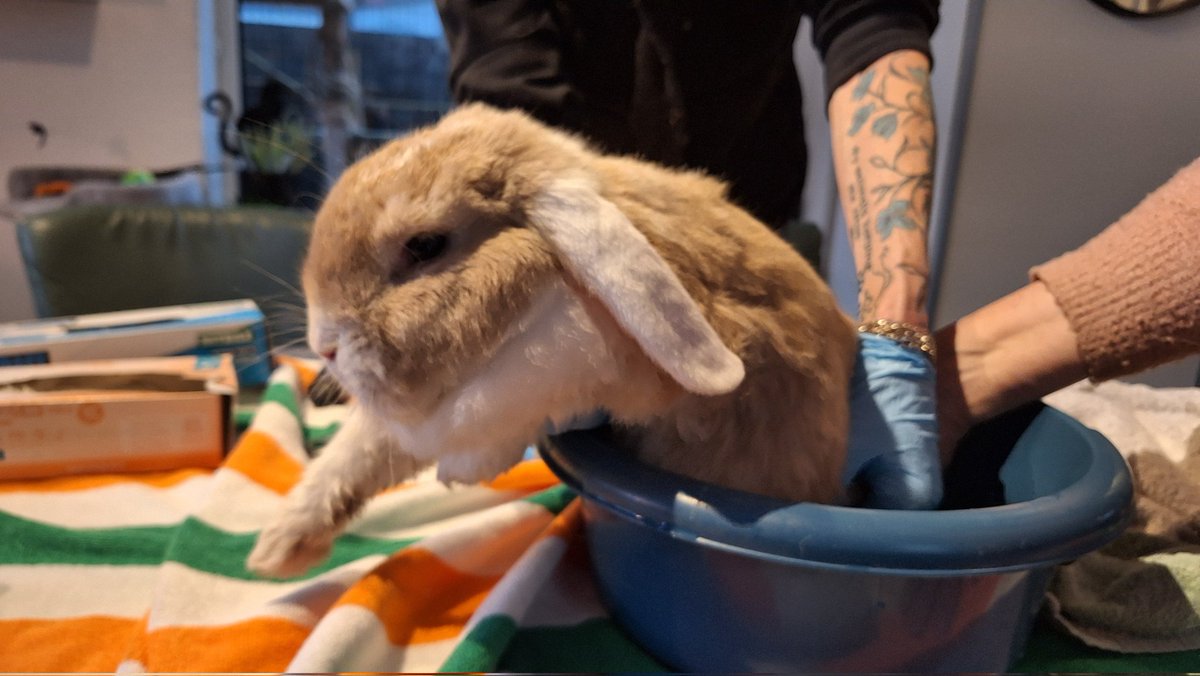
(1125, 301)
(1132, 292)
(883, 140)
(1009, 352)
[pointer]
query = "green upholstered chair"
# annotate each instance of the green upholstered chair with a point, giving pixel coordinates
(87, 259)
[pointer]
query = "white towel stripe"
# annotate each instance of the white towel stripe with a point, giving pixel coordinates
(187, 597)
(61, 591)
(351, 638)
(115, 505)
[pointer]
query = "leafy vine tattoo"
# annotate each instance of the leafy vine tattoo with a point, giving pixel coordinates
(891, 103)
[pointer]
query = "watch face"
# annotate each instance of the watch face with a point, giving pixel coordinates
(1139, 8)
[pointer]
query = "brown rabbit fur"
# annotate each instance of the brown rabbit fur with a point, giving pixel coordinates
(543, 304)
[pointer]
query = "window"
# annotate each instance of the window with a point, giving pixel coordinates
(322, 87)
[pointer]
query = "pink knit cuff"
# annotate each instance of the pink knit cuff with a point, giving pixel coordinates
(1132, 293)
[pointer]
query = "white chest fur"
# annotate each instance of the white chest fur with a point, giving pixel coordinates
(554, 365)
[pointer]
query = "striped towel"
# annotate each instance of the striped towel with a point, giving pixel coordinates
(145, 573)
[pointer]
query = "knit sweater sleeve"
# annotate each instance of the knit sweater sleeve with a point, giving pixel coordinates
(1132, 293)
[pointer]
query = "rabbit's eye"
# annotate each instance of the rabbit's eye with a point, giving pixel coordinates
(423, 248)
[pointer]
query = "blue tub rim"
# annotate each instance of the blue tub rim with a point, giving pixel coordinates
(1043, 530)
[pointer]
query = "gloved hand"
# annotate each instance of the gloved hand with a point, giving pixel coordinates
(893, 453)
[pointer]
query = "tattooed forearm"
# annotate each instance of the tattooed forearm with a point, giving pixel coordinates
(904, 195)
(856, 218)
(883, 141)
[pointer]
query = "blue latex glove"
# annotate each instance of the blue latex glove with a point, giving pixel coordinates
(893, 453)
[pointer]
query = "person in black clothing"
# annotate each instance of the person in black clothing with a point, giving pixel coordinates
(712, 85)
(709, 84)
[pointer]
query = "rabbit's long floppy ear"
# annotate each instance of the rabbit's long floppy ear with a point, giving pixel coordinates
(616, 263)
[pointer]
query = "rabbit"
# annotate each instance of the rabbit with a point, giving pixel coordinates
(476, 279)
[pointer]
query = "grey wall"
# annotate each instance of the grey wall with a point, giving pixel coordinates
(1073, 116)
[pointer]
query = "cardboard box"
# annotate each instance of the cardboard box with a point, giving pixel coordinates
(115, 416)
(237, 327)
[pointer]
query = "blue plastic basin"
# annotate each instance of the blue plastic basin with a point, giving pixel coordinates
(709, 579)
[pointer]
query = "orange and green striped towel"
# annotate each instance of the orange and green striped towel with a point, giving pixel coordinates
(145, 573)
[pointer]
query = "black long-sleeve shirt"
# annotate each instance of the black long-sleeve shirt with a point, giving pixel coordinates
(707, 84)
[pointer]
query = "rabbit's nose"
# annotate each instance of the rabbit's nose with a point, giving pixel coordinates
(322, 335)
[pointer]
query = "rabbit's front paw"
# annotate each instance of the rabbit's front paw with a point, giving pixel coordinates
(283, 550)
